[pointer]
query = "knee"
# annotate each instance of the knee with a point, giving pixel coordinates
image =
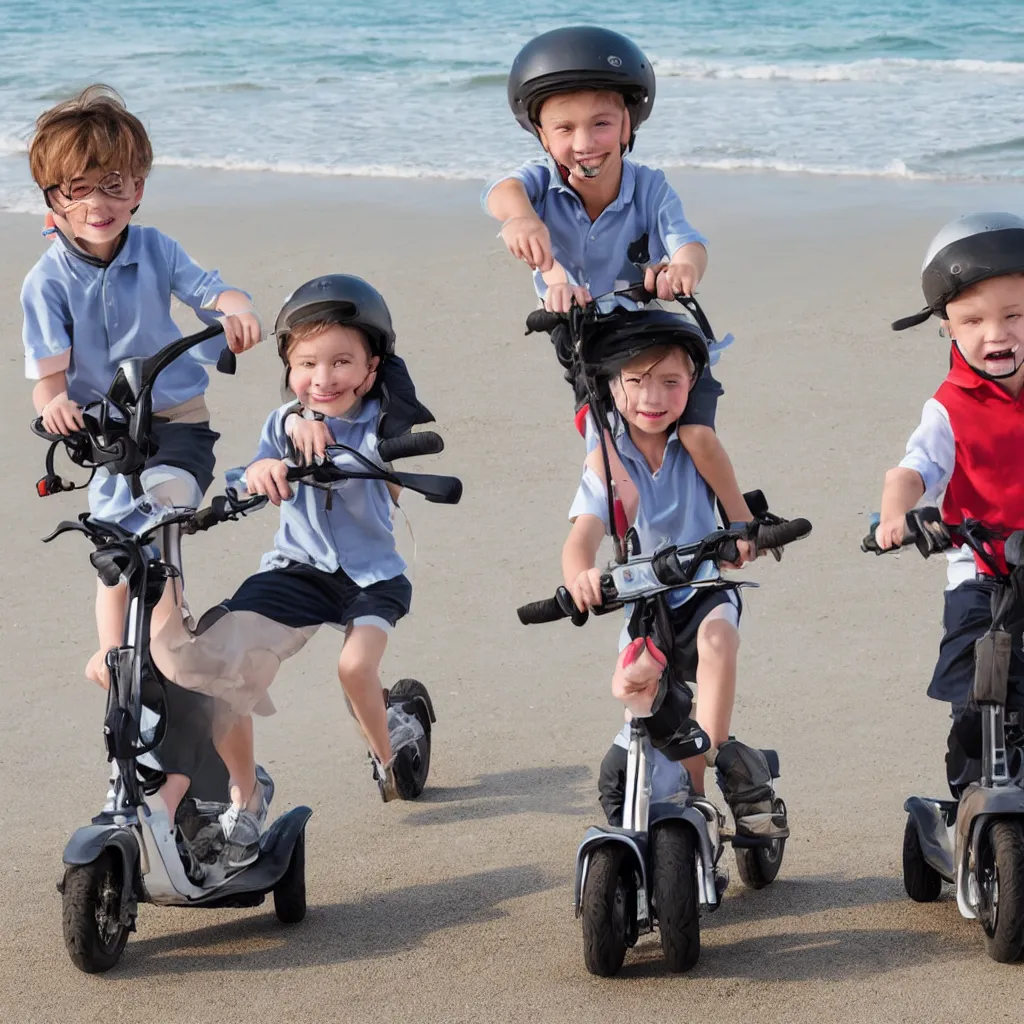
(172, 486)
(354, 669)
(718, 642)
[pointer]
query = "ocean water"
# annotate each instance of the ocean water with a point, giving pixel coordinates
(900, 88)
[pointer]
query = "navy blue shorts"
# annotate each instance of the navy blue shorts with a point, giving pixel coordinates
(300, 595)
(187, 446)
(703, 402)
(966, 617)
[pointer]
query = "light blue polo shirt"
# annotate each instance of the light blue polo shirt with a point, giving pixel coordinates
(675, 507)
(85, 318)
(355, 534)
(594, 253)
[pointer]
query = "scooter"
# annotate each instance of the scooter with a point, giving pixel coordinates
(132, 854)
(977, 843)
(664, 865)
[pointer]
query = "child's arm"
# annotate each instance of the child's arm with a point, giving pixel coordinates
(523, 232)
(60, 414)
(902, 490)
(923, 472)
(579, 553)
(685, 246)
(705, 447)
(242, 325)
(205, 291)
(268, 472)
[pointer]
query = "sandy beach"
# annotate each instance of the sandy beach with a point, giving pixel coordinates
(458, 907)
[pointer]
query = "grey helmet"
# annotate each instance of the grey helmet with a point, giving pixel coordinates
(967, 250)
(580, 57)
(341, 299)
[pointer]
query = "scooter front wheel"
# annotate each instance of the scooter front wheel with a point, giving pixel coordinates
(94, 933)
(1000, 871)
(674, 893)
(608, 895)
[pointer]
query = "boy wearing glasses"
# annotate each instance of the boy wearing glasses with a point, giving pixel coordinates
(102, 294)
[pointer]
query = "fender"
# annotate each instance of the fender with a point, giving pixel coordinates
(89, 842)
(929, 819)
(599, 835)
(978, 805)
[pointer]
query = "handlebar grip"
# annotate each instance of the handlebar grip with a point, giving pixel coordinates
(227, 362)
(541, 321)
(548, 610)
(205, 518)
(771, 536)
(406, 446)
(37, 429)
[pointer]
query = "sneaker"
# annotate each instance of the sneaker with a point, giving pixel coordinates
(242, 829)
(384, 776)
(403, 729)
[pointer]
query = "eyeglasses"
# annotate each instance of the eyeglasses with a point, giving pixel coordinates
(112, 184)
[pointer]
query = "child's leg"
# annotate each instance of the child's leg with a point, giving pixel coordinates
(110, 610)
(359, 674)
(713, 464)
(718, 644)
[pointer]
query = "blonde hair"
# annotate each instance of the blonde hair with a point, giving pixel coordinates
(93, 130)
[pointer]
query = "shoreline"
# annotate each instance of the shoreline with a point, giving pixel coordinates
(176, 188)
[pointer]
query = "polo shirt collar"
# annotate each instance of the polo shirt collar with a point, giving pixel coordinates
(124, 253)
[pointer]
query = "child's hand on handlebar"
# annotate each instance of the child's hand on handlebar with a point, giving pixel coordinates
(528, 239)
(62, 416)
(559, 297)
(890, 532)
(242, 331)
(310, 437)
(748, 552)
(586, 589)
(269, 477)
(667, 280)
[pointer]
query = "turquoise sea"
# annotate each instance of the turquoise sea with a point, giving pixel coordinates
(905, 88)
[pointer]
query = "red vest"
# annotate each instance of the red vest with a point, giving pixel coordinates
(988, 473)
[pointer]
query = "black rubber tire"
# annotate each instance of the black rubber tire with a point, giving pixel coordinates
(412, 763)
(922, 882)
(674, 894)
(606, 909)
(93, 932)
(758, 866)
(290, 892)
(1002, 852)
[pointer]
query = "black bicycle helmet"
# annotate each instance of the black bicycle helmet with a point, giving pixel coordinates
(610, 340)
(338, 299)
(580, 57)
(967, 250)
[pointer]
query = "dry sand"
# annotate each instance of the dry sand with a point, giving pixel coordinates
(458, 907)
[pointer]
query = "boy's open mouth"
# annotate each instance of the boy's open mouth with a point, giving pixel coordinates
(590, 166)
(1002, 355)
(652, 415)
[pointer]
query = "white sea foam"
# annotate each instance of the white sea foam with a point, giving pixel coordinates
(881, 69)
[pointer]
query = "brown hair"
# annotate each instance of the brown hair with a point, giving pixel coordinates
(93, 130)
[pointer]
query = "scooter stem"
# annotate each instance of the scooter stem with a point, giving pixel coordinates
(638, 782)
